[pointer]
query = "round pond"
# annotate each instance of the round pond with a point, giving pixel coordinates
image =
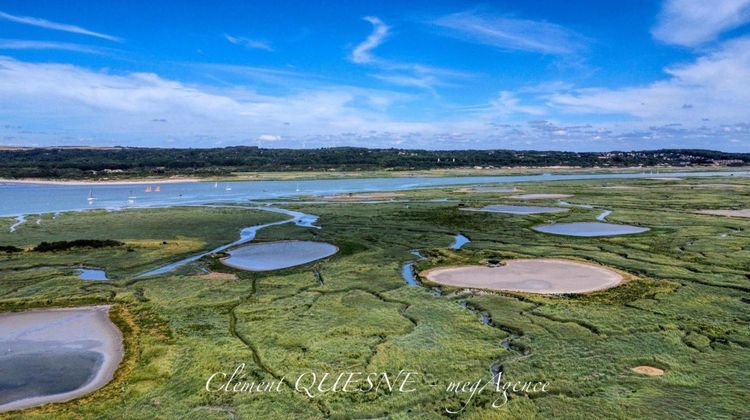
(590, 229)
(277, 255)
(545, 276)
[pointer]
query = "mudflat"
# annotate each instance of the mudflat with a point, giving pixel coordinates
(56, 355)
(545, 276)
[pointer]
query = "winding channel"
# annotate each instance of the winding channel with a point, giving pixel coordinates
(246, 235)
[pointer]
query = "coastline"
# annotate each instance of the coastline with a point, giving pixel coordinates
(134, 181)
(381, 173)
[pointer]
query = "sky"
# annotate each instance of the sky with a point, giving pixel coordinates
(584, 75)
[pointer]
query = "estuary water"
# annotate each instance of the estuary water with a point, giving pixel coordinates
(19, 199)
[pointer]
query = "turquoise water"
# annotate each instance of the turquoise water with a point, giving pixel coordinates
(17, 199)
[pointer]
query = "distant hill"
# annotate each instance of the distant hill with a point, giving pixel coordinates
(85, 162)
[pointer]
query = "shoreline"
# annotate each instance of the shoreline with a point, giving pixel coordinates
(135, 181)
(112, 350)
(381, 173)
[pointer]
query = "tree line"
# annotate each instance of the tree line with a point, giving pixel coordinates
(126, 161)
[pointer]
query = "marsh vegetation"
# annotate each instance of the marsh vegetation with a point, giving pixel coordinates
(683, 311)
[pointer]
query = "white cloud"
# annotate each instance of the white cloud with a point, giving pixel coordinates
(508, 104)
(125, 105)
(694, 22)
(512, 33)
(51, 104)
(42, 23)
(399, 73)
(362, 53)
(249, 43)
(714, 86)
(22, 44)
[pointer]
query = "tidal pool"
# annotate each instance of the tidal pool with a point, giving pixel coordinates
(460, 241)
(522, 210)
(494, 189)
(56, 355)
(92, 274)
(590, 229)
(277, 255)
(545, 276)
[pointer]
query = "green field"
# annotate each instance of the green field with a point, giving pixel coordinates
(684, 310)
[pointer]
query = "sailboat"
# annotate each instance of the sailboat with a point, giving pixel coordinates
(131, 197)
(297, 187)
(216, 185)
(228, 188)
(148, 188)
(158, 189)
(91, 196)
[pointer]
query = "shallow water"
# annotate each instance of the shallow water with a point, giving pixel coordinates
(407, 273)
(55, 371)
(18, 199)
(20, 219)
(92, 274)
(590, 229)
(520, 210)
(56, 354)
(603, 215)
(277, 255)
(460, 241)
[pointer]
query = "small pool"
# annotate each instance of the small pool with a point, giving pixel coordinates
(460, 241)
(277, 255)
(92, 274)
(590, 229)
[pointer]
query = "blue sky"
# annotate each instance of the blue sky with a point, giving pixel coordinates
(578, 75)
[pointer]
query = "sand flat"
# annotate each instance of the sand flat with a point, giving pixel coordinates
(648, 370)
(56, 355)
(518, 210)
(543, 275)
(730, 213)
(540, 196)
(362, 196)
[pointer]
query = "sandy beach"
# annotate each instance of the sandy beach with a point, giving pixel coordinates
(67, 329)
(139, 181)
